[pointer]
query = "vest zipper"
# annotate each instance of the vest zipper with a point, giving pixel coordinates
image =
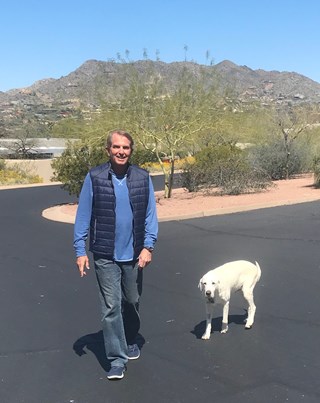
(94, 231)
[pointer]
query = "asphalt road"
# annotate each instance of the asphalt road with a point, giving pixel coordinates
(51, 347)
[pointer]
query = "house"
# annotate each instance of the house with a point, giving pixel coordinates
(33, 148)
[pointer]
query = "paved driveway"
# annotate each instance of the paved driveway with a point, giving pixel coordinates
(51, 347)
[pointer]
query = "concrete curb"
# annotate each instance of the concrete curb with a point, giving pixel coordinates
(32, 185)
(56, 213)
(233, 210)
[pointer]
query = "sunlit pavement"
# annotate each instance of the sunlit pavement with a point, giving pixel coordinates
(51, 345)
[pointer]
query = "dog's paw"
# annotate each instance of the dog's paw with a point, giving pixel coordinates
(224, 331)
(205, 337)
(248, 327)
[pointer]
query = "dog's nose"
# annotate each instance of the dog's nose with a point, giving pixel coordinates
(208, 292)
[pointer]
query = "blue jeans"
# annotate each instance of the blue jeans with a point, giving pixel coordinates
(120, 287)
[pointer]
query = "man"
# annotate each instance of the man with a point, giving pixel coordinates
(117, 208)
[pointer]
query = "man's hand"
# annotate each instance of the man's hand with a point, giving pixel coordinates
(83, 265)
(145, 258)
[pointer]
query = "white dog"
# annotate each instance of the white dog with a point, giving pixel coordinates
(218, 284)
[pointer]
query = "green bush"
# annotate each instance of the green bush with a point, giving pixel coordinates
(272, 158)
(74, 163)
(224, 168)
(316, 171)
(16, 175)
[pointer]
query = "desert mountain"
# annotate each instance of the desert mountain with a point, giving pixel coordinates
(49, 100)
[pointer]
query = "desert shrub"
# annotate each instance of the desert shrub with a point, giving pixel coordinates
(316, 171)
(273, 159)
(224, 168)
(192, 177)
(74, 163)
(17, 175)
(2, 164)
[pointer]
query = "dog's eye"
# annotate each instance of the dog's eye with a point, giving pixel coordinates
(204, 283)
(213, 283)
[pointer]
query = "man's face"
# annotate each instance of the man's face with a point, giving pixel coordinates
(119, 151)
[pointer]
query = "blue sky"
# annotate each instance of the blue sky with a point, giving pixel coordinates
(51, 38)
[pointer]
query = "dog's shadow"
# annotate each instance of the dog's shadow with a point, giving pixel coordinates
(200, 328)
(94, 343)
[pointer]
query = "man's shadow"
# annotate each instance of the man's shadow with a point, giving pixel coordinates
(200, 328)
(94, 343)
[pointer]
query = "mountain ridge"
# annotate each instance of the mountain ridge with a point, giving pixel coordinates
(93, 82)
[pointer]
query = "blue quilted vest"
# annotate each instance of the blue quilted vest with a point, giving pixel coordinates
(102, 225)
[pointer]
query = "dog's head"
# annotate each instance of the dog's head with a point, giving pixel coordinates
(208, 285)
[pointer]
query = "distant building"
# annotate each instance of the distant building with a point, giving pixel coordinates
(33, 148)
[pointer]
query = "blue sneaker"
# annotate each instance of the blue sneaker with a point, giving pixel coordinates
(116, 373)
(133, 352)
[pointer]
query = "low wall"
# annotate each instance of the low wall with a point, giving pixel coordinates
(35, 167)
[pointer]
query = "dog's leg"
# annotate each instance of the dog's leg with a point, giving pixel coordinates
(225, 315)
(248, 295)
(209, 308)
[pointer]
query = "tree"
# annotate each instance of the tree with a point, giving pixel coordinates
(24, 147)
(166, 120)
(185, 48)
(284, 147)
(291, 123)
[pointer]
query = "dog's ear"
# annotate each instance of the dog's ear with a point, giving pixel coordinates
(200, 285)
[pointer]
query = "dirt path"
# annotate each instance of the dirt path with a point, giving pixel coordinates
(283, 193)
(185, 205)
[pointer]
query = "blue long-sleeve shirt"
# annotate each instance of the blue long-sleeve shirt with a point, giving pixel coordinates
(124, 218)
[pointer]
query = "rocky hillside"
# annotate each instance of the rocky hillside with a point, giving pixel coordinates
(95, 81)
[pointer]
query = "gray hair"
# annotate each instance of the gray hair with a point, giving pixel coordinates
(121, 133)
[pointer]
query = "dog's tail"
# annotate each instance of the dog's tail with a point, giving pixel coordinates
(259, 271)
